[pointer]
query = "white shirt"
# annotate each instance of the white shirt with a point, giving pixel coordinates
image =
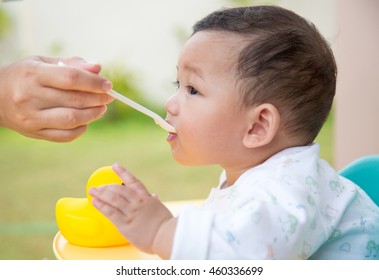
(293, 206)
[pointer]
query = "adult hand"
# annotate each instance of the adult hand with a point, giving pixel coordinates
(43, 100)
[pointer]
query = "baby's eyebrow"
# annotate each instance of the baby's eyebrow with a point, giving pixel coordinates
(192, 68)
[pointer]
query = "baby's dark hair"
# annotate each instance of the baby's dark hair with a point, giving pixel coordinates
(286, 62)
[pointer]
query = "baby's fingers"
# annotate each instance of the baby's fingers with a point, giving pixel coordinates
(129, 179)
(117, 217)
(111, 195)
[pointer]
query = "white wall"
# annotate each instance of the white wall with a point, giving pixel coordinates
(357, 100)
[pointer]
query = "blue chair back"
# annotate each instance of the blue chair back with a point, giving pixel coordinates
(365, 173)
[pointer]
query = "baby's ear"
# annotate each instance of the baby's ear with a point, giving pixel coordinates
(264, 122)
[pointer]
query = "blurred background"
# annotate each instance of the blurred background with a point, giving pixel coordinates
(137, 42)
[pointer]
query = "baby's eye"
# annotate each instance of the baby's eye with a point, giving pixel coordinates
(176, 84)
(192, 90)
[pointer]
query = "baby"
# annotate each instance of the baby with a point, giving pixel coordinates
(255, 86)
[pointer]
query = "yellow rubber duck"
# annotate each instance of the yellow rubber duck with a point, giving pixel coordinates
(81, 223)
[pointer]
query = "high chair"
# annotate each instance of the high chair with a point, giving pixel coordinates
(365, 173)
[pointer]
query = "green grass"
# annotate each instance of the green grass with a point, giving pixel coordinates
(34, 174)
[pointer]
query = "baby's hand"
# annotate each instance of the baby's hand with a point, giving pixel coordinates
(132, 209)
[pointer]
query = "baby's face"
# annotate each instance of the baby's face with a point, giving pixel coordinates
(206, 110)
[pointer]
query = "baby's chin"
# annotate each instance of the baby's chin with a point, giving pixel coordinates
(188, 162)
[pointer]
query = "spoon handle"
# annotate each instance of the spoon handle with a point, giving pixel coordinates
(158, 119)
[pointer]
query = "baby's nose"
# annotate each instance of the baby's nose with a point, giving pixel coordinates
(172, 105)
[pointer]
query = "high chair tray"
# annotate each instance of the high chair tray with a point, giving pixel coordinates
(63, 250)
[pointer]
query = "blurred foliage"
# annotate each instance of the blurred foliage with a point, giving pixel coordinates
(56, 48)
(124, 82)
(5, 22)
(181, 34)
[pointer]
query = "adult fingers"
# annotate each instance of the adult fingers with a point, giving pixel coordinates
(56, 124)
(82, 63)
(67, 118)
(70, 78)
(59, 124)
(56, 135)
(72, 61)
(49, 98)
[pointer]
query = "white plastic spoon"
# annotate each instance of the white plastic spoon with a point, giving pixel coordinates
(158, 119)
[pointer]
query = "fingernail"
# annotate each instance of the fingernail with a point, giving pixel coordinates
(116, 166)
(107, 85)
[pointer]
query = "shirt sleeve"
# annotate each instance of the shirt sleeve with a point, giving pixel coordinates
(192, 234)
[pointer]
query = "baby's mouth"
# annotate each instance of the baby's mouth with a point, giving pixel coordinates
(171, 137)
